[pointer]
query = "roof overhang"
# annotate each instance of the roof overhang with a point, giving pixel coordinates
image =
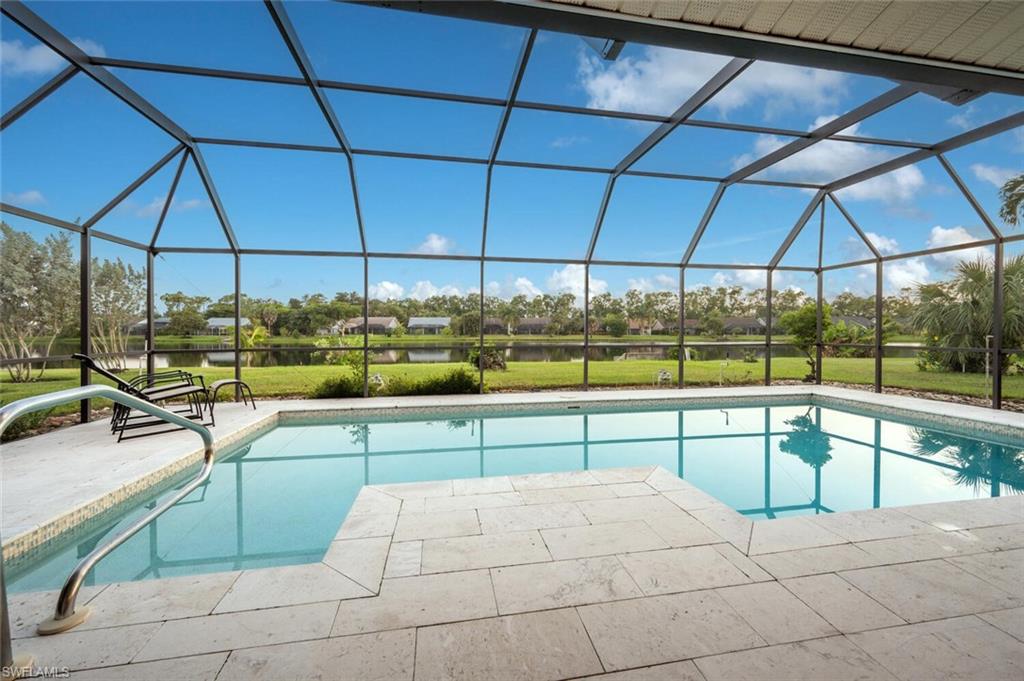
(559, 16)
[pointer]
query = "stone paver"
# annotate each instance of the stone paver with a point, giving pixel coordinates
(290, 585)
(622, 574)
(1004, 569)
(929, 590)
(628, 508)
(475, 486)
(835, 659)
(648, 631)
(681, 529)
(198, 668)
(882, 523)
(562, 583)
(472, 501)
(369, 525)
(562, 494)
(215, 633)
(530, 517)
(789, 534)
(361, 560)
(673, 671)
(601, 540)
(965, 648)
(404, 559)
(543, 645)
(383, 656)
(80, 649)
(435, 525)
(419, 601)
(844, 607)
(775, 613)
(1011, 621)
(482, 551)
(158, 599)
(815, 561)
(675, 570)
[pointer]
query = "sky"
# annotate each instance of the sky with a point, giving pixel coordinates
(81, 146)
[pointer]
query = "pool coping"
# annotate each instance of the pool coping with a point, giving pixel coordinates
(25, 544)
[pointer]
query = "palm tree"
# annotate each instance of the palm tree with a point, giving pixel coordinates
(1012, 195)
(980, 464)
(959, 312)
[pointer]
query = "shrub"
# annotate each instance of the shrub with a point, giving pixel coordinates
(459, 381)
(492, 359)
(345, 385)
(25, 424)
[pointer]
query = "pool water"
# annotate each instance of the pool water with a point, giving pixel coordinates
(280, 499)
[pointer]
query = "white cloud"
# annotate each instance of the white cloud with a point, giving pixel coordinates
(994, 175)
(153, 208)
(19, 59)
(963, 118)
(748, 279)
(569, 141)
(660, 282)
(900, 274)
(823, 162)
(570, 279)
(661, 79)
(897, 187)
(386, 290)
(436, 244)
(525, 287)
(884, 244)
(30, 197)
(422, 290)
(941, 237)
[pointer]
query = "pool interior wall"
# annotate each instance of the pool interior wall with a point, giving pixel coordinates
(279, 498)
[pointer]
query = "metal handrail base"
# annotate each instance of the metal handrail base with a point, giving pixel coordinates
(65, 615)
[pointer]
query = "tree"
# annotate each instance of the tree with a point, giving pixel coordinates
(959, 313)
(118, 300)
(38, 297)
(615, 324)
(252, 336)
(802, 325)
(712, 324)
(185, 313)
(1012, 196)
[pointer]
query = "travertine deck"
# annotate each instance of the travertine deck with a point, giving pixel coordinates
(571, 575)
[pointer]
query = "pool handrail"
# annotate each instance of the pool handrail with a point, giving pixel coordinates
(65, 615)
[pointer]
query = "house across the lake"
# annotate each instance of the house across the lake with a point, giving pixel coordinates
(428, 326)
(639, 327)
(533, 325)
(376, 325)
(743, 326)
(495, 326)
(221, 326)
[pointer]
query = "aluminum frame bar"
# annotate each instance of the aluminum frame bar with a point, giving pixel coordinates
(167, 201)
(135, 184)
(41, 93)
(797, 228)
(712, 87)
(823, 132)
(302, 60)
(969, 196)
(202, 72)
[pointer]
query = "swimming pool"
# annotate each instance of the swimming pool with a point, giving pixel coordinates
(280, 498)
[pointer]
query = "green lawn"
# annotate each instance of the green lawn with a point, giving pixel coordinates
(298, 380)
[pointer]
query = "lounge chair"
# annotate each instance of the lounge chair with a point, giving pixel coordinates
(159, 387)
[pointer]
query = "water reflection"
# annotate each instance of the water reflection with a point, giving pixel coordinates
(984, 467)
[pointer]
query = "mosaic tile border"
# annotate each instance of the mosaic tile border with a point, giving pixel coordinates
(43, 539)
